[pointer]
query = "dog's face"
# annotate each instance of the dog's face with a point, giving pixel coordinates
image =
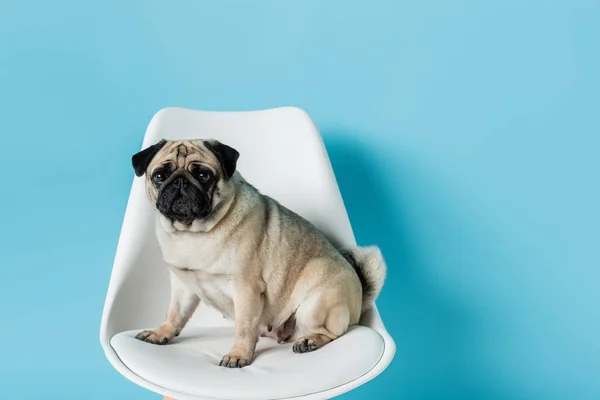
(187, 180)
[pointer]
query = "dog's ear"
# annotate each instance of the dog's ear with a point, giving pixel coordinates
(141, 160)
(226, 155)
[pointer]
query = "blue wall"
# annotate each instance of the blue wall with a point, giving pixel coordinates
(464, 134)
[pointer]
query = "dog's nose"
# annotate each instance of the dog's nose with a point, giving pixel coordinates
(181, 183)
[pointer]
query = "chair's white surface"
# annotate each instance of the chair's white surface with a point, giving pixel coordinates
(276, 372)
(283, 155)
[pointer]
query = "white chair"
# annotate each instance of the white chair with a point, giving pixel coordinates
(283, 155)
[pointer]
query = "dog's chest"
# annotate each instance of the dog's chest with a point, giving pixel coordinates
(198, 252)
(205, 267)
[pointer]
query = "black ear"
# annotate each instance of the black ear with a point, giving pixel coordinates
(141, 160)
(226, 155)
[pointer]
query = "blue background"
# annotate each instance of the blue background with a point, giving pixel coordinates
(464, 134)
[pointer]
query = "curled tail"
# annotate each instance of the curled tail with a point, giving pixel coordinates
(370, 267)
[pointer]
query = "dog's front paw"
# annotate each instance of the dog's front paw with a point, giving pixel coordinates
(152, 337)
(234, 361)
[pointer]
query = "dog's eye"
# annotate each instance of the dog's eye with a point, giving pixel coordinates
(158, 177)
(204, 175)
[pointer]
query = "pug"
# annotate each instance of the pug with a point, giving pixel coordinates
(242, 253)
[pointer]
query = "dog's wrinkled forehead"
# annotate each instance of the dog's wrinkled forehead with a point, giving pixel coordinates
(184, 152)
(219, 157)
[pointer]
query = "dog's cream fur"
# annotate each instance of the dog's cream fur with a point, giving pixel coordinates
(258, 263)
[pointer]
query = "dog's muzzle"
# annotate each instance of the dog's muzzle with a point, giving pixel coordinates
(182, 201)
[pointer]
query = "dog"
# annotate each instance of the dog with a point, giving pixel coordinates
(258, 263)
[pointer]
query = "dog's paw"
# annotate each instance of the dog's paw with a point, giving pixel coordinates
(152, 337)
(305, 344)
(234, 361)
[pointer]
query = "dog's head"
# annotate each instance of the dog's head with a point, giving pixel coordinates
(187, 179)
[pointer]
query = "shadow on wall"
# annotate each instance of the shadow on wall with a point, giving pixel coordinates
(437, 356)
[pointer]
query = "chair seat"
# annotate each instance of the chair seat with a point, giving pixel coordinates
(190, 364)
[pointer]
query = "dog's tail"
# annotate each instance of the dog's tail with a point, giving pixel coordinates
(370, 267)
